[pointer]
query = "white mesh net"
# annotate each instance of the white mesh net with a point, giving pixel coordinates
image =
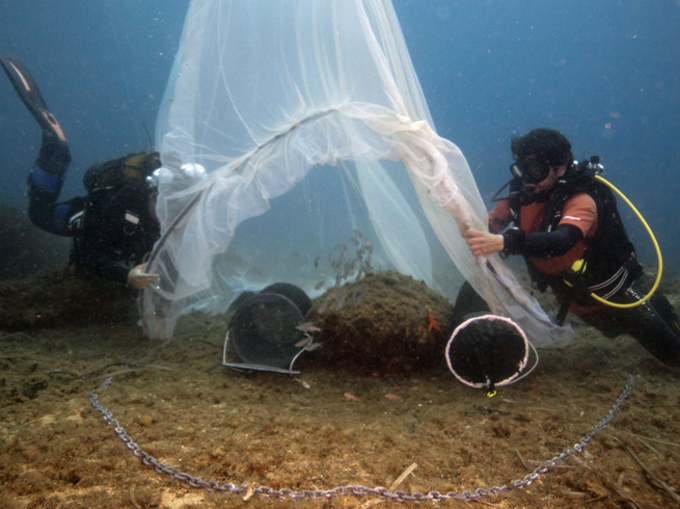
(312, 127)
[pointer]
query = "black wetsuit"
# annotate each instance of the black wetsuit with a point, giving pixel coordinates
(112, 228)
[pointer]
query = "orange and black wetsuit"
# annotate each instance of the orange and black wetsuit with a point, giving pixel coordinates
(549, 253)
(550, 245)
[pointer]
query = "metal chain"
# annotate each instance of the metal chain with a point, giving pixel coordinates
(351, 490)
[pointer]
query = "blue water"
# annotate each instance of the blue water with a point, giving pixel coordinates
(605, 73)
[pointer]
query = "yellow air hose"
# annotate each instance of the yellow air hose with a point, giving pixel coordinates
(656, 246)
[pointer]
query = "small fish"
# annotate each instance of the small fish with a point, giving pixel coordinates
(341, 301)
(351, 396)
(302, 382)
(337, 264)
(316, 262)
(393, 397)
(319, 285)
(313, 346)
(308, 327)
(304, 342)
(323, 307)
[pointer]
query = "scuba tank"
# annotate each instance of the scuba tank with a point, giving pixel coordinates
(118, 173)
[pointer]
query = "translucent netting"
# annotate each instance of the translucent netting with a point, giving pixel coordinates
(311, 124)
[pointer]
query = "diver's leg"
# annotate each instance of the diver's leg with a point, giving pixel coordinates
(666, 311)
(48, 173)
(655, 325)
(66, 219)
(44, 185)
(607, 320)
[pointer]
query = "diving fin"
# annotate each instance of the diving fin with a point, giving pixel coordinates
(30, 95)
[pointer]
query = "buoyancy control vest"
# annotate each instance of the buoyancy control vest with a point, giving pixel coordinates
(116, 207)
(609, 263)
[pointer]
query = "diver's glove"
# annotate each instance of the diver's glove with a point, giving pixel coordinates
(513, 241)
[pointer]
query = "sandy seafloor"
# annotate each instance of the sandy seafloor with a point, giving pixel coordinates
(336, 424)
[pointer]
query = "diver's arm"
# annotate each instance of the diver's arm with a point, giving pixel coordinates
(542, 245)
(499, 217)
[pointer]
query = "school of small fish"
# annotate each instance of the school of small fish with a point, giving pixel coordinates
(344, 268)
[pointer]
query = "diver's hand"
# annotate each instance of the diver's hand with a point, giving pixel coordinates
(139, 279)
(484, 243)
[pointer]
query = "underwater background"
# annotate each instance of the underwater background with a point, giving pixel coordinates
(604, 73)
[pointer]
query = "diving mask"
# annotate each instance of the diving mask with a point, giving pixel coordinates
(530, 170)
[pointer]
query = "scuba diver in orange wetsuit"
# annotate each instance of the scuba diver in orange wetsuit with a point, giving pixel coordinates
(566, 225)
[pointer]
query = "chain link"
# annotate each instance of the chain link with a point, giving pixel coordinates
(351, 490)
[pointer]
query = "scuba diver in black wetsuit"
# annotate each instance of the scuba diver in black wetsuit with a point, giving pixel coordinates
(115, 226)
(563, 218)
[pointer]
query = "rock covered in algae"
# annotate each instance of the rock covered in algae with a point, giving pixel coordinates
(380, 325)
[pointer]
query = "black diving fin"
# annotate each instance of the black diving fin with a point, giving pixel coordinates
(30, 95)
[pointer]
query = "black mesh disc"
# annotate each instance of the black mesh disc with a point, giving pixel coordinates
(263, 330)
(487, 350)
